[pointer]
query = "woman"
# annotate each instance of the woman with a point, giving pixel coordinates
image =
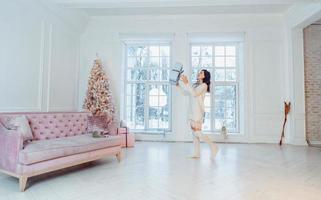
(197, 93)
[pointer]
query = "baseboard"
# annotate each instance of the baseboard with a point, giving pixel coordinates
(299, 142)
(315, 142)
(217, 138)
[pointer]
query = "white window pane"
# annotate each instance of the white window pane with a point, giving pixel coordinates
(135, 89)
(207, 115)
(164, 124)
(219, 51)
(219, 112)
(230, 103)
(153, 101)
(131, 51)
(164, 51)
(230, 75)
(225, 92)
(162, 101)
(219, 74)
(164, 62)
(153, 90)
(154, 74)
(230, 62)
(154, 113)
(225, 108)
(139, 116)
(137, 92)
(142, 62)
(164, 117)
(207, 62)
(194, 75)
(219, 61)
(154, 62)
(154, 51)
(207, 50)
(196, 50)
(165, 89)
(142, 51)
(230, 112)
(137, 51)
(230, 92)
(219, 92)
(231, 124)
(164, 75)
(207, 101)
(131, 62)
(153, 123)
(136, 62)
(219, 123)
(230, 50)
(137, 74)
(196, 61)
(206, 125)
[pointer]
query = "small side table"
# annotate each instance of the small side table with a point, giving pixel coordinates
(128, 139)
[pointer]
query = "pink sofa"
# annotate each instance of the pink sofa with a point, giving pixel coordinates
(60, 141)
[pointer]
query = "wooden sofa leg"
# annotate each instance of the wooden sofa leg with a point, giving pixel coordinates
(118, 156)
(23, 182)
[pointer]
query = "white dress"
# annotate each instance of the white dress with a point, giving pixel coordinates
(197, 94)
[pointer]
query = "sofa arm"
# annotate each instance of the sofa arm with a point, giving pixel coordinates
(11, 142)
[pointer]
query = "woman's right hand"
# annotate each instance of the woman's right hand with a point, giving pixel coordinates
(184, 79)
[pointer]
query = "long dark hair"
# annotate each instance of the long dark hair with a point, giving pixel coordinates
(207, 79)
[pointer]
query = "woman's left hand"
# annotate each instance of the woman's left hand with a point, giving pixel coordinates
(184, 79)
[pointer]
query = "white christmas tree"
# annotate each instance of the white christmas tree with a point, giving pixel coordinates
(99, 99)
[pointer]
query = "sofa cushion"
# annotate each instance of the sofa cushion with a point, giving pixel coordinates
(58, 125)
(19, 123)
(41, 150)
(51, 125)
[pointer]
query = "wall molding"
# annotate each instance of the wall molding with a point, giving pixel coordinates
(49, 65)
(42, 64)
(20, 109)
(62, 109)
(255, 44)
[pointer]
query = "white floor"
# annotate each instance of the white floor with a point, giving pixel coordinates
(163, 171)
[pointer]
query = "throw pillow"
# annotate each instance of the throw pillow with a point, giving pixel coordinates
(8, 122)
(21, 124)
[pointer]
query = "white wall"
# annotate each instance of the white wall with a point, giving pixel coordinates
(297, 18)
(39, 57)
(264, 64)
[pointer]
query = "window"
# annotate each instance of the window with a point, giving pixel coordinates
(222, 104)
(148, 92)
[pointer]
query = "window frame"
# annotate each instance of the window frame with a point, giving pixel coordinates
(148, 82)
(237, 83)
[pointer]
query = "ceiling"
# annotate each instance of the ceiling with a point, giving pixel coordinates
(158, 7)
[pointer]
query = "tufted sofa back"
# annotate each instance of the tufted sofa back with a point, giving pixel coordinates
(49, 125)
